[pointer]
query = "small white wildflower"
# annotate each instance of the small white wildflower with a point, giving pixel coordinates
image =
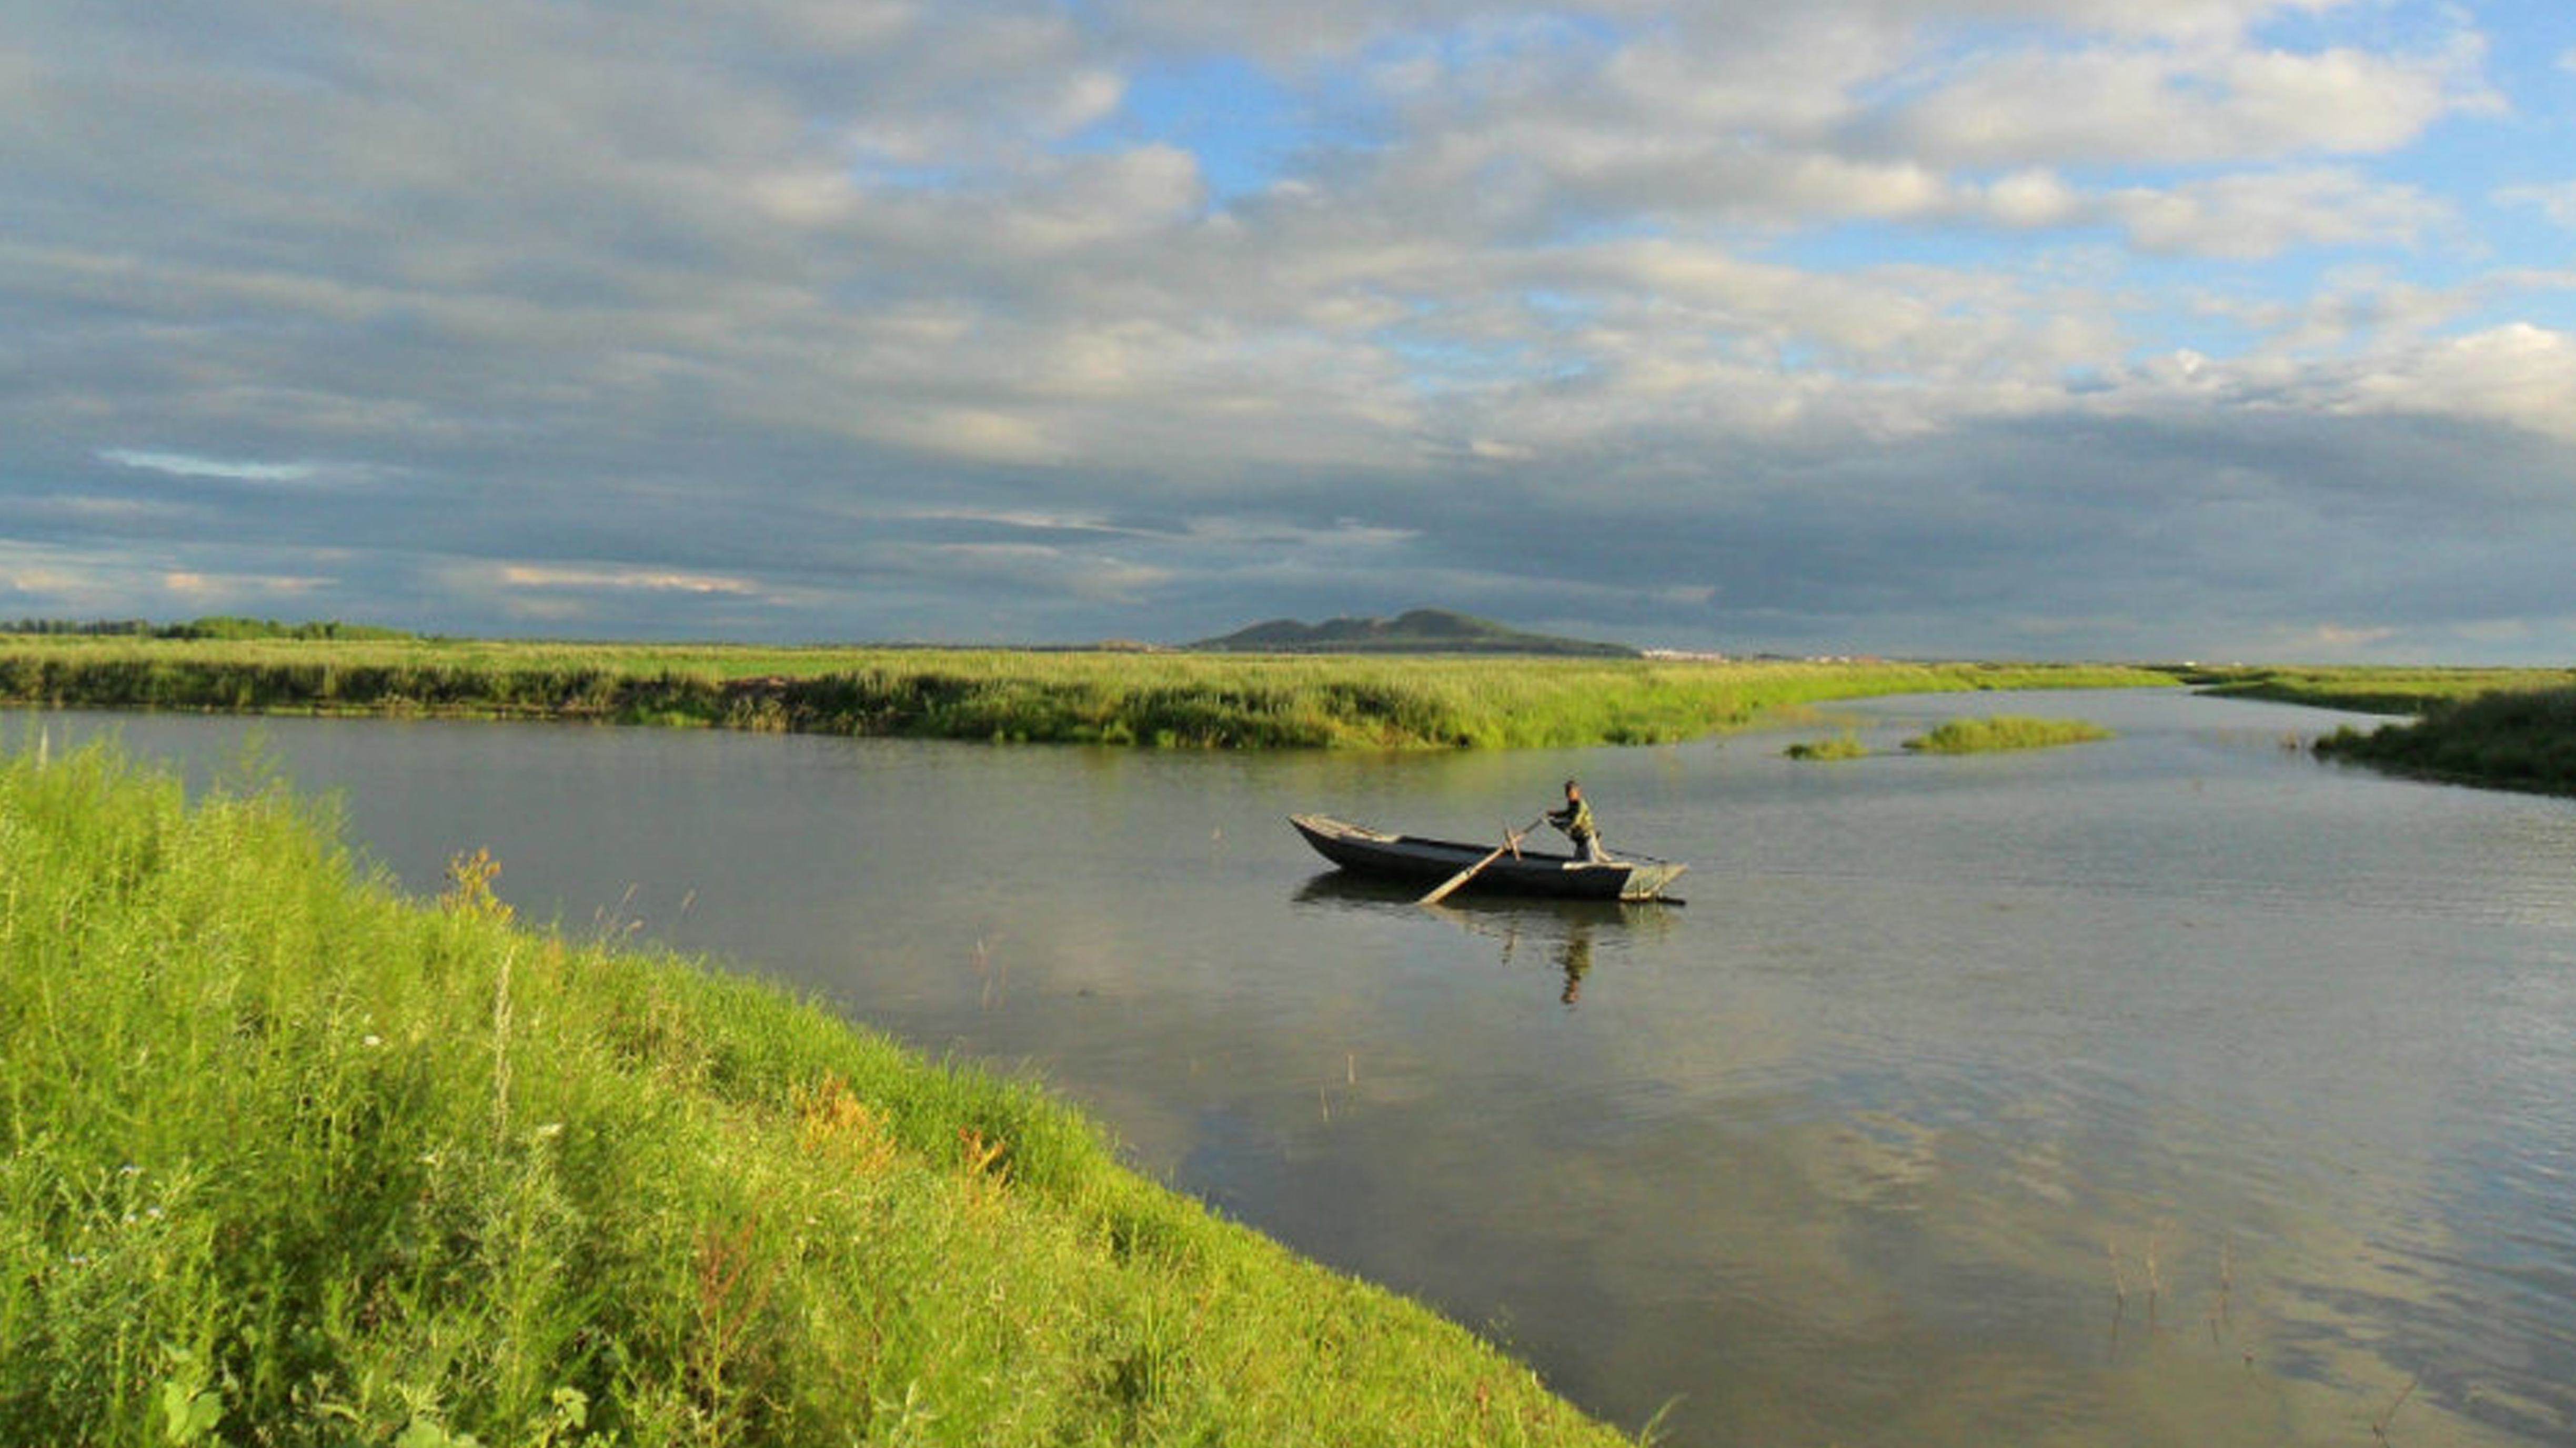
(129, 1169)
(371, 1040)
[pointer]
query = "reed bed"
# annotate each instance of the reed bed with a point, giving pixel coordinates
(2501, 728)
(2511, 739)
(1843, 746)
(292, 1159)
(2370, 688)
(1094, 697)
(2005, 731)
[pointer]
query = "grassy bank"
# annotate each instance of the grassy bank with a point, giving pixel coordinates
(2501, 728)
(1155, 699)
(293, 1160)
(2515, 739)
(2369, 688)
(2005, 731)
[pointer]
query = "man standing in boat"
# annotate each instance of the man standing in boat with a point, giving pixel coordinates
(1576, 820)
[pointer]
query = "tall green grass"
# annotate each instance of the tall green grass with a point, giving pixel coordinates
(2369, 688)
(2513, 739)
(1843, 746)
(2005, 731)
(287, 1158)
(1152, 699)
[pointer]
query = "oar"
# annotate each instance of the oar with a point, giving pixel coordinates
(1511, 842)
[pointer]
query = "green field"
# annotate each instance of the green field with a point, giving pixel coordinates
(1008, 695)
(290, 1159)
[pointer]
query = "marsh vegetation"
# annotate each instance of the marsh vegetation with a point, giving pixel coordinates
(2005, 731)
(2368, 688)
(2513, 739)
(1004, 695)
(1846, 745)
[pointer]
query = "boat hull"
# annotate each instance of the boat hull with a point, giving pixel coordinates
(1531, 872)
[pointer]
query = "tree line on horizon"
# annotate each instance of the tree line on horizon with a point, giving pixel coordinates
(215, 626)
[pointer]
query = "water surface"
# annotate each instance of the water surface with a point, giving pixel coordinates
(2171, 1090)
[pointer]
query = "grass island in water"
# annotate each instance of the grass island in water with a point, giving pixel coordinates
(2005, 731)
(1845, 745)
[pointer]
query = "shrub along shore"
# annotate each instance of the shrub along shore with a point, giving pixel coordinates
(2516, 739)
(292, 1159)
(1224, 701)
(2369, 688)
(2496, 728)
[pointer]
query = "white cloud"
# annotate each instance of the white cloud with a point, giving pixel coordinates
(1099, 199)
(2257, 215)
(40, 582)
(2113, 104)
(2556, 200)
(188, 465)
(2518, 374)
(1042, 568)
(1026, 519)
(972, 433)
(74, 582)
(617, 579)
(203, 590)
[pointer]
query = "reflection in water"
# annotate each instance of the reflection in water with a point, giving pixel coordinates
(1562, 929)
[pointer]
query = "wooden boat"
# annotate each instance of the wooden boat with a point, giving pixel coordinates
(1531, 872)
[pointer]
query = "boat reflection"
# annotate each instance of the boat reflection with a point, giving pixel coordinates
(1563, 931)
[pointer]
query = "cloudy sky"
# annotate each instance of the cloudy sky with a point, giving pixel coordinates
(2049, 328)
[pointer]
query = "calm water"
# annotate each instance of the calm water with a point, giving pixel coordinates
(2173, 1090)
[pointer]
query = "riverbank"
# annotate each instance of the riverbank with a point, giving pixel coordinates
(2494, 728)
(1164, 699)
(288, 1151)
(2368, 688)
(2521, 739)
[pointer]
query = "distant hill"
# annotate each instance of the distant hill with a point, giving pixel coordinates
(1421, 631)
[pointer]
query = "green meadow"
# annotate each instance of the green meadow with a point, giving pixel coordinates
(1162, 699)
(293, 1159)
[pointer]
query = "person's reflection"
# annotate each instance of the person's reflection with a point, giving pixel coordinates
(1576, 959)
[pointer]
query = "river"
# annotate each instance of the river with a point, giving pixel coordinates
(2176, 1089)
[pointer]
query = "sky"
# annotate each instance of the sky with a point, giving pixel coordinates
(2152, 329)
